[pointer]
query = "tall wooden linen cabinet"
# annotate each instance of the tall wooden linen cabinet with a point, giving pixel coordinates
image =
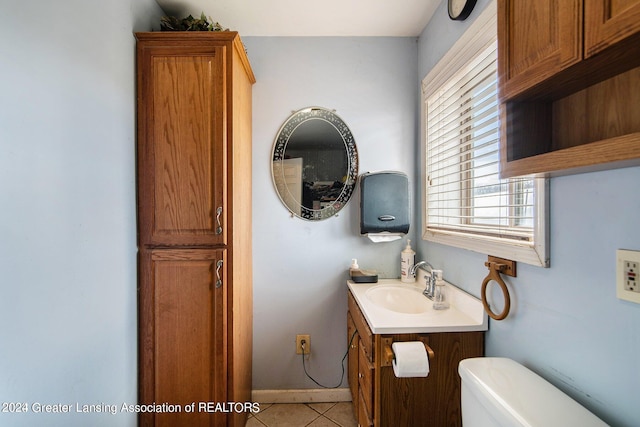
(194, 226)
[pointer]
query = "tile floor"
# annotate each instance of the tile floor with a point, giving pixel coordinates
(304, 414)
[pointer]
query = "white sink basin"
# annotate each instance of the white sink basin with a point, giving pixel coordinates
(393, 307)
(399, 299)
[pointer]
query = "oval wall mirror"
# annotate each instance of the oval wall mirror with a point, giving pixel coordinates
(314, 163)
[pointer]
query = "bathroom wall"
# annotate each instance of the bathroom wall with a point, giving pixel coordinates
(300, 267)
(67, 216)
(566, 323)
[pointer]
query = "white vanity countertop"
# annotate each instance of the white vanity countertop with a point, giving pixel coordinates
(466, 312)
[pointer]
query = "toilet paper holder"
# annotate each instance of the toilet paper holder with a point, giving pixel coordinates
(387, 351)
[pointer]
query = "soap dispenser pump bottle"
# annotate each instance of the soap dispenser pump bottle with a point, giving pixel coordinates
(354, 267)
(407, 260)
(440, 300)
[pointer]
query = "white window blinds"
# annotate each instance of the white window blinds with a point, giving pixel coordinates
(464, 195)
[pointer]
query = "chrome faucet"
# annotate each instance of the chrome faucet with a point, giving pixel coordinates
(430, 289)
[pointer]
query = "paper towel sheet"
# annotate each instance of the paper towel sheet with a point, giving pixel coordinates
(411, 359)
(384, 237)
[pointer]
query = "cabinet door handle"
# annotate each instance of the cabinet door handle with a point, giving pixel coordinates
(219, 227)
(218, 267)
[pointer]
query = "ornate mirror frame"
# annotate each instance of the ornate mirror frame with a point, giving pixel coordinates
(343, 186)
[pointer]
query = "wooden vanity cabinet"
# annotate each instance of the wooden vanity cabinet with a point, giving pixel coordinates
(568, 77)
(380, 399)
(194, 225)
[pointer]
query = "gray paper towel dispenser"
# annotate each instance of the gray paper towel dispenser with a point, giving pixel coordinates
(384, 202)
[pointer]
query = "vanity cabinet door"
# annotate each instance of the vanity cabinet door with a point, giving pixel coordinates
(365, 381)
(364, 419)
(182, 336)
(366, 337)
(608, 22)
(352, 369)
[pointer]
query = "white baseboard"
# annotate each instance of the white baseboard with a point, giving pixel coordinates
(301, 396)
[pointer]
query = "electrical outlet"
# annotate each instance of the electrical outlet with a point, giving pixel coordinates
(307, 344)
(627, 269)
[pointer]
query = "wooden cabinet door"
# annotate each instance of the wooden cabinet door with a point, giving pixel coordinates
(364, 420)
(366, 382)
(352, 368)
(181, 144)
(608, 22)
(536, 39)
(183, 342)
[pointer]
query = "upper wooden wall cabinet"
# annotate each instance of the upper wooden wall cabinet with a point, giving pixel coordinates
(569, 76)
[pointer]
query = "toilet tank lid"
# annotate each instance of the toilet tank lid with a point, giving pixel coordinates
(503, 385)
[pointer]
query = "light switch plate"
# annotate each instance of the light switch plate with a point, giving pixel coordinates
(627, 280)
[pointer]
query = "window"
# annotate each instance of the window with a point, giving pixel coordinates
(466, 204)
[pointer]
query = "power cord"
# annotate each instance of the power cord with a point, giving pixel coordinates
(304, 366)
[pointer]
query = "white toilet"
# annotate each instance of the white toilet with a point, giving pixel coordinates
(499, 392)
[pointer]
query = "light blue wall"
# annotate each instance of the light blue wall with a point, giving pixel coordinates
(67, 206)
(300, 268)
(566, 322)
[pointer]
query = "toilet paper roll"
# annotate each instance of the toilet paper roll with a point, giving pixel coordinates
(384, 237)
(410, 359)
